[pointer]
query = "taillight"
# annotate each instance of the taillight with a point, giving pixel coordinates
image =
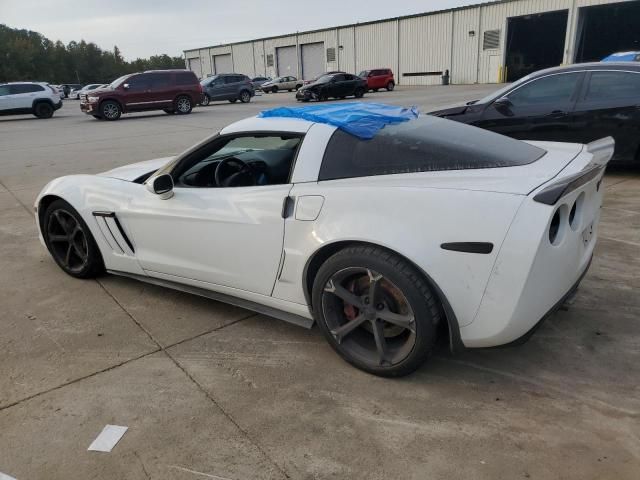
(200, 87)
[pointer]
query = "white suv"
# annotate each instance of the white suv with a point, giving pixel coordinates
(37, 98)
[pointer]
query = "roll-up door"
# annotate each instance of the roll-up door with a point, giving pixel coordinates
(287, 60)
(312, 60)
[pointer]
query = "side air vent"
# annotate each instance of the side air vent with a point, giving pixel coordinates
(331, 54)
(113, 233)
(491, 40)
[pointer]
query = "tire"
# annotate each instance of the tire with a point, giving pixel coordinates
(245, 96)
(322, 97)
(390, 86)
(110, 110)
(43, 110)
(78, 254)
(183, 105)
(359, 93)
(233, 100)
(274, 90)
(401, 294)
(205, 100)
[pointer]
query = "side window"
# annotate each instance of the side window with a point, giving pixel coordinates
(556, 89)
(240, 161)
(613, 86)
(339, 78)
(25, 88)
(5, 90)
(161, 80)
(186, 78)
(139, 83)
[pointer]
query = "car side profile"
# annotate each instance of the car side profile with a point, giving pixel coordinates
(280, 84)
(430, 228)
(227, 86)
(173, 91)
(257, 82)
(379, 78)
(336, 85)
(37, 98)
(577, 103)
(75, 94)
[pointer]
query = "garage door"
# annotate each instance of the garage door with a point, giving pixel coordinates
(194, 66)
(223, 63)
(312, 60)
(287, 61)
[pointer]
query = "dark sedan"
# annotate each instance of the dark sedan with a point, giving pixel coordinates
(336, 85)
(578, 103)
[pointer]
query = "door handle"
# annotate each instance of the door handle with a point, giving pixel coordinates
(557, 114)
(287, 206)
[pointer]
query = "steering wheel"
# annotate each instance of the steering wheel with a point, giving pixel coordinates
(243, 177)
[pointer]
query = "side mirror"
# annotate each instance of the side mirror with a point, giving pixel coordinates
(503, 102)
(162, 185)
(125, 86)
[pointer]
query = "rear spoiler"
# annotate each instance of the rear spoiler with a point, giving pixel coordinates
(601, 151)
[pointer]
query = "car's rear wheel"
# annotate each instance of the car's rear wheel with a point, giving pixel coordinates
(43, 110)
(245, 96)
(70, 241)
(110, 110)
(205, 100)
(359, 93)
(183, 105)
(376, 310)
(390, 86)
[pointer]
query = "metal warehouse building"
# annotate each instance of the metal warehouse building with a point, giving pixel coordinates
(485, 43)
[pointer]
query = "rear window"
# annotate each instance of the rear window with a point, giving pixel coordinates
(186, 78)
(426, 144)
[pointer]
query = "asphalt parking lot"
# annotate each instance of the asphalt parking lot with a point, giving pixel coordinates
(213, 391)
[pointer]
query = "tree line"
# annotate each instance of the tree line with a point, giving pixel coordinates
(27, 55)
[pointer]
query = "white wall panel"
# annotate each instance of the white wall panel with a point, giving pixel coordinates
(425, 46)
(243, 59)
(464, 64)
(377, 46)
(345, 57)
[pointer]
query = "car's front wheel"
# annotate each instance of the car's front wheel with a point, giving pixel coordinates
(390, 86)
(359, 93)
(274, 89)
(245, 96)
(183, 105)
(43, 110)
(205, 100)
(376, 310)
(70, 241)
(110, 110)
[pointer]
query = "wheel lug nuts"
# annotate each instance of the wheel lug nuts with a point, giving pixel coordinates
(380, 306)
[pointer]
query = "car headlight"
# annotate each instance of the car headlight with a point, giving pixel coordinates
(92, 99)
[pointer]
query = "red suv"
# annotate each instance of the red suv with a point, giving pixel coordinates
(379, 78)
(174, 91)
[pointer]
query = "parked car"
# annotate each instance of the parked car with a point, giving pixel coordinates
(227, 86)
(577, 103)
(379, 78)
(174, 91)
(37, 98)
(280, 84)
(75, 94)
(335, 85)
(623, 57)
(307, 82)
(381, 279)
(257, 82)
(67, 87)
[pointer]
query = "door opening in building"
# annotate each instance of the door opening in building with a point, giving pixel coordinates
(535, 42)
(606, 29)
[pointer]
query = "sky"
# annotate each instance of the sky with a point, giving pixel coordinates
(141, 28)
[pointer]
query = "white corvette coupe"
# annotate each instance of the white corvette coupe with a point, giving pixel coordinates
(429, 228)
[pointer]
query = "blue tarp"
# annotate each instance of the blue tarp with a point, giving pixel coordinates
(362, 120)
(623, 57)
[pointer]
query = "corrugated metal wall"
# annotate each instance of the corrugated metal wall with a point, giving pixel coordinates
(427, 43)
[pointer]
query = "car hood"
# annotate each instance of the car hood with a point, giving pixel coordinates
(314, 84)
(136, 170)
(450, 110)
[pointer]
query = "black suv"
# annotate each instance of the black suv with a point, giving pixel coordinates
(227, 86)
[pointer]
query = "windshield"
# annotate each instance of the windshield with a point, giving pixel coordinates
(324, 78)
(495, 95)
(363, 73)
(118, 81)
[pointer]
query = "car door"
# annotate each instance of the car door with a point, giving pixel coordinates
(4, 97)
(162, 90)
(228, 236)
(217, 88)
(339, 86)
(137, 92)
(376, 79)
(540, 109)
(609, 105)
(22, 96)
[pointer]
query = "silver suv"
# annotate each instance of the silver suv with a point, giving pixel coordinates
(227, 86)
(37, 98)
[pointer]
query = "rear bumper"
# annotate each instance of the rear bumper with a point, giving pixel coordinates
(58, 105)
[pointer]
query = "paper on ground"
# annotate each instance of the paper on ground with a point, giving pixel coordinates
(109, 436)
